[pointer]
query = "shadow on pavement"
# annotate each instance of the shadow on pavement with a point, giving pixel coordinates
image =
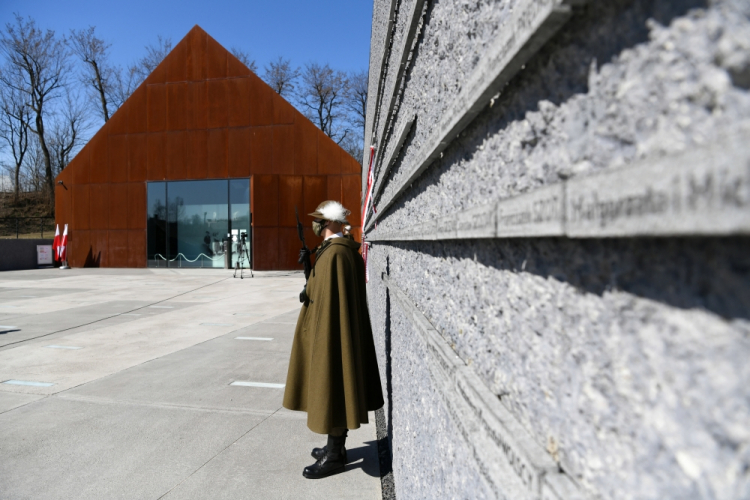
(365, 458)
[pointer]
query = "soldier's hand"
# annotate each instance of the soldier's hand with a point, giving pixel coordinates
(304, 254)
(303, 295)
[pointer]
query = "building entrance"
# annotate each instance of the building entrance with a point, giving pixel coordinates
(189, 221)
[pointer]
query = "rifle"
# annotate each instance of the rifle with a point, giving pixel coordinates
(304, 254)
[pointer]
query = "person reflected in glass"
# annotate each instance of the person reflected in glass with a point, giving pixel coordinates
(207, 244)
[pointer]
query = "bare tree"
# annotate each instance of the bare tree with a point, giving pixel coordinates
(65, 136)
(123, 82)
(97, 75)
(356, 106)
(322, 94)
(15, 117)
(120, 83)
(281, 76)
(33, 175)
(37, 67)
(155, 54)
(356, 102)
(6, 184)
(354, 146)
(244, 58)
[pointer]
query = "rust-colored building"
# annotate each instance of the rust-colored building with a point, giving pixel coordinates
(202, 132)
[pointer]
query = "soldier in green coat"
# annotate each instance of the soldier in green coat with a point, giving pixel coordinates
(333, 371)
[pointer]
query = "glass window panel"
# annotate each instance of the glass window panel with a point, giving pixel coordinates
(156, 224)
(198, 215)
(239, 210)
(188, 222)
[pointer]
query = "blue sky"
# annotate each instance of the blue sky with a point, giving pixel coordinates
(336, 32)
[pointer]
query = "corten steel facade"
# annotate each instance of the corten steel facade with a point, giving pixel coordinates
(202, 114)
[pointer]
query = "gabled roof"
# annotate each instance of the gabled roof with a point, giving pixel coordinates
(201, 87)
(201, 114)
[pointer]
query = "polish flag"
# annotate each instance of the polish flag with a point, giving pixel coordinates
(64, 244)
(368, 193)
(56, 243)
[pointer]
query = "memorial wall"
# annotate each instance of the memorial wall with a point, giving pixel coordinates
(559, 263)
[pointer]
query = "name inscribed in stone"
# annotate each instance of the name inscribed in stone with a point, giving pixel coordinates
(478, 222)
(538, 213)
(705, 191)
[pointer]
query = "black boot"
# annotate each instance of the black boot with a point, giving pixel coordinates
(319, 453)
(331, 463)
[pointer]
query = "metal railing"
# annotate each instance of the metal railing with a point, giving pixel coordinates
(27, 227)
(181, 256)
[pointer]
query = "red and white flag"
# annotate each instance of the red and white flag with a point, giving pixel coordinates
(64, 244)
(56, 243)
(368, 193)
(365, 210)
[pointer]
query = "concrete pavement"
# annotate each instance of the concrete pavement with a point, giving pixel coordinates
(121, 387)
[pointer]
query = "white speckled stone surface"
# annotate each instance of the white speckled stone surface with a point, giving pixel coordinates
(626, 358)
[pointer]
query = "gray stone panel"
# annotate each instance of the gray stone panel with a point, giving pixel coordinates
(380, 41)
(423, 431)
(410, 13)
(618, 343)
(393, 150)
(390, 71)
(535, 135)
(539, 213)
(528, 26)
(577, 357)
(507, 457)
(704, 191)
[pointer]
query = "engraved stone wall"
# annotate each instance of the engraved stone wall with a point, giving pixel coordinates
(430, 459)
(577, 238)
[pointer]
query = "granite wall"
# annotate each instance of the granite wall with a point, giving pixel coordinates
(529, 347)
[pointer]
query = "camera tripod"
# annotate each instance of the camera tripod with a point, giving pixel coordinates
(242, 255)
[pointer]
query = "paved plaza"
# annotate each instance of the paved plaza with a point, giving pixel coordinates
(157, 383)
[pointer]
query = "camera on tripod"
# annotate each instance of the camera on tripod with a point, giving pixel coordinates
(243, 256)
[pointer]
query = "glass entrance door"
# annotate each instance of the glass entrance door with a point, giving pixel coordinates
(198, 222)
(239, 211)
(156, 223)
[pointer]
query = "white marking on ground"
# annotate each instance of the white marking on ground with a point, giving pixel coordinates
(258, 384)
(28, 382)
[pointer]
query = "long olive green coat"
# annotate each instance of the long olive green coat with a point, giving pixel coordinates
(333, 372)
